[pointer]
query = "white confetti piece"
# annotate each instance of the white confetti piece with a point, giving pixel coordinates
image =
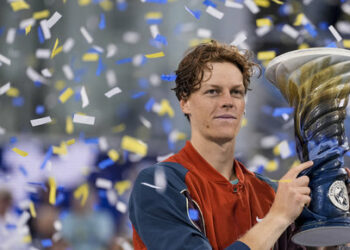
(160, 179)
(111, 50)
(252, 6)
(121, 207)
(154, 30)
(11, 34)
(263, 30)
(102, 143)
(24, 204)
(27, 22)
(25, 216)
(86, 35)
(103, 183)
(68, 72)
(113, 92)
(112, 197)
(131, 37)
(40, 121)
(285, 150)
(53, 19)
(35, 76)
(68, 45)
(307, 2)
(84, 97)
(346, 8)
(269, 141)
(256, 162)
(164, 157)
(137, 60)
(5, 88)
(111, 78)
(145, 122)
(231, 4)
(290, 31)
(214, 12)
(203, 33)
(335, 33)
(240, 38)
(98, 49)
(45, 29)
(57, 225)
(5, 60)
(343, 27)
(46, 72)
(155, 80)
(84, 119)
(42, 53)
(2, 131)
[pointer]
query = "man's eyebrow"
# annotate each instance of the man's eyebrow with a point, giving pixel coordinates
(219, 87)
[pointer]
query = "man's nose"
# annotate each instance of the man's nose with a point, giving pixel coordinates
(227, 100)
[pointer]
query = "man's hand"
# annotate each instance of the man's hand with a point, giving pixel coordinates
(292, 194)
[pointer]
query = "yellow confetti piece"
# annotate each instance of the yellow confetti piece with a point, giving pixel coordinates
(20, 152)
(122, 186)
(134, 145)
(82, 193)
(262, 3)
(56, 50)
(271, 166)
(276, 150)
(119, 128)
(285, 180)
(166, 108)
(181, 136)
(61, 150)
(19, 5)
(194, 42)
(295, 163)
(66, 95)
(90, 57)
(266, 55)
(154, 15)
(346, 43)
(71, 141)
(303, 46)
(263, 22)
(113, 154)
(59, 85)
(84, 2)
(244, 122)
(155, 55)
(12, 92)
(277, 1)
(299, 19)
(106, 5)
(32, 209)
(41, 14)
(52, 194)
(69, 125)
(64, 1)
(27, 239)
(28, 29)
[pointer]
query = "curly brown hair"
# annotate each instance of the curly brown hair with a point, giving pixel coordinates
(192, 67)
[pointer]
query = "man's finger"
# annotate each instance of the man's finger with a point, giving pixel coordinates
(293, 172)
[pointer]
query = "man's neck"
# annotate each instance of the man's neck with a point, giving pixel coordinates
(218, 155)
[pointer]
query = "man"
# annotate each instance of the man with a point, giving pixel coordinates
(211, 201)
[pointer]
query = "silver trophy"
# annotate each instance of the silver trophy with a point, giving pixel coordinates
(316, 83)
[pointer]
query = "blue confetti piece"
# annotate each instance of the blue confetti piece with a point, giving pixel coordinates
(161, 39)
(122, 6)
(13, 139)
(93, 50)
(63, 214)
(102, 194)
(79, 73)
(138, 95)
(41, 35)
(10, 226)
(82, 136)
(47, 157)
(347, 153)
(155, 43)
(77, 96)
(39, 109)
(323, 25)
(195, 13)
(125, 60)
(59, 199)
(292, 148)
(151, 21)
(157, 1)
(21, 31)
(2, 29)
(311, 30)
(171, 144)
(100, 67)
(167, 125)
(102, 24)
(332, 45)
(37, 84)
(125, 154)
(91, 141)
(209, 3)
(193, 214)
(46, 243)
(105, 163)
(280, 111)
(260, 169)
(283, 10)
(168, 78)
(143, 83)
(149, 104)
(23, 170)
(18, 101)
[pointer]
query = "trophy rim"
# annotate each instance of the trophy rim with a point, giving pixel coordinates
(302, 53)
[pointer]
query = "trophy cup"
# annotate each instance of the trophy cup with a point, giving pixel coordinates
(316, 83)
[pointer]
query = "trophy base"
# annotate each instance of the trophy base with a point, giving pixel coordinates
(324, 233)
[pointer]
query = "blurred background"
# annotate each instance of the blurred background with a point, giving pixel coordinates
(86, 103)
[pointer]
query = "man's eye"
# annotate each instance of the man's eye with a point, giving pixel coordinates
(212, 91)
(238, 92)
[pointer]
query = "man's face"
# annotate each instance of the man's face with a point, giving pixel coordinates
(216, 109)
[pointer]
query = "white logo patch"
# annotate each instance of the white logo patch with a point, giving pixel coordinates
(338, 195)
(258, 220)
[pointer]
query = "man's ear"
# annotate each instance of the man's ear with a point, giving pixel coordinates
(185, 106)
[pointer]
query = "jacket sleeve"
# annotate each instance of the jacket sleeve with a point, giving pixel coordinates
(161, 217)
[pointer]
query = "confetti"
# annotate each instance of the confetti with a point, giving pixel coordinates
(252, 6)
(263, 22)
(86, 35)
(35, 76)
(203, 33)
(5, 60)
(346, 44)
(335, 33)
(52, 194)
(82, 192)
(69, 125)
(119, 128)
(53, 19)
(46, 73)
(195, 13)
(121, 206)
(46, 243)
(68, 72)
(40, 121)
(165, 108)
(68, 45)
(145, 122)
(103, 183)
(113, 92)
(56, 50)
(5, 88)
(90, 57)
(239, 39)
(41, 14)
(262, 3)
(113, 155)
(71, 141)
(84, 97)
(102, 24)
(27, 22)
(154, 30)
(84, 119)
(232, 4)
(105, 163)
(134, 145)
(66, 95)
(266, 55)
(32, 209)
(290, 31)
(299, 19)
(19, 5)
(214, 12)
(42, 53)
(111, 78)
(155, 55)
(20, 152)
(271, 166)
(277, 1)
(61, 150)
(45, 29)
(112, 49)
(11, 34)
